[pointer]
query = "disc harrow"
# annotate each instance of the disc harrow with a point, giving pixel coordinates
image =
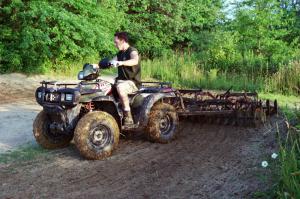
(229, 108)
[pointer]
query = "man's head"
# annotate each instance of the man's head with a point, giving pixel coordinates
(121, 40)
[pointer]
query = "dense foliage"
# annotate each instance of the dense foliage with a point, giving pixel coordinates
(259, 37)
(158, 26)
(39, 34)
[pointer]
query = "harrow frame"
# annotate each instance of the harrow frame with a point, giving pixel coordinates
(231, 107)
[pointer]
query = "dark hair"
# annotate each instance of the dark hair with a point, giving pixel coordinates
(122, 35)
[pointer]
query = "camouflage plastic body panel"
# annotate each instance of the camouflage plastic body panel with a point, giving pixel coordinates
(91, 90)
(142, 105)
(89, 97)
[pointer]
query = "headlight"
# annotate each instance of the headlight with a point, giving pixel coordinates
(80, 75)
(69, 97)
(39, 95)
(62, 97)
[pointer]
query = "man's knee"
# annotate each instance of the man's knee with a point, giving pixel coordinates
(121, 90)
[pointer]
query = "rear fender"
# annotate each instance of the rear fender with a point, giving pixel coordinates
(141, 112)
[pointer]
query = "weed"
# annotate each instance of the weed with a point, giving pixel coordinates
(23, 153)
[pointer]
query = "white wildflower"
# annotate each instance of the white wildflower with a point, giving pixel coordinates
(264, 164)
(274, 155)
(286, 194)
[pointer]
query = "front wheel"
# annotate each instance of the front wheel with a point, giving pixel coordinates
(163, 123)
(96, 135)
(45, 137)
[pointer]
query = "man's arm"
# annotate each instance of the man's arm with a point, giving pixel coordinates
(115, 58)
(133, 61)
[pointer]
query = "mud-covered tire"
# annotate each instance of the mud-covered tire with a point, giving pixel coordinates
(44, 137)
(163, 123)
(96, 135)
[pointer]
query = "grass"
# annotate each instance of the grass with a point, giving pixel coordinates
(185, 70)
(289, 168)
(289, 105)
(291, 101)
(285, 80)
(286, 171)
(24, 153)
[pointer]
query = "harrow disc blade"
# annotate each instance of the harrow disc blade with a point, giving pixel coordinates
(227, 120)
(259, 117)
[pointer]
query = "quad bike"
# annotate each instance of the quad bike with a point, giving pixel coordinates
(90, 112)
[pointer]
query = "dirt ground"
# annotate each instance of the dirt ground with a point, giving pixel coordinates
(205, 161)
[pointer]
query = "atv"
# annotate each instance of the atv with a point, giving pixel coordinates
(90, 111)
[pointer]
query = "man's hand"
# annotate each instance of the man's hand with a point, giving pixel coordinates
(115, 63)
(95, 66)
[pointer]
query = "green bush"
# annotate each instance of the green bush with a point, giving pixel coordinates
(38, 34)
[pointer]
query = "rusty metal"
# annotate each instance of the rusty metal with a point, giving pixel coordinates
(242, 108)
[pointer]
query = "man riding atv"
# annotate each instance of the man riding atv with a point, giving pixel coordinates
(90, 112)
(129, 72)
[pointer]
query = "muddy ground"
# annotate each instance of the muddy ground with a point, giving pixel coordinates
(205, 161)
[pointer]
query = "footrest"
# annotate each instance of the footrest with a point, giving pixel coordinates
(130, 127)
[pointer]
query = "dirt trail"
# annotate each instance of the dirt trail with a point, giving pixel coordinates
(18, 109)
(15, 128)
(205, 161)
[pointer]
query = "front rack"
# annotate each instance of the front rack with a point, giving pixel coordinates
(57, 84)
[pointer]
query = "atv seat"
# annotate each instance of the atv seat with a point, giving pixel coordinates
(136, 99)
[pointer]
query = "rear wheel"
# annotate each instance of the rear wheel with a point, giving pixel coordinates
(96, 135)
(163, 123)
(45, 137)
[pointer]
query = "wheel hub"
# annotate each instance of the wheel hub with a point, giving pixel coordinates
(165, 124)
(54, 131)
(100, 136)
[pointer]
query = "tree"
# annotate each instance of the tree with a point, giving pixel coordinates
(158, 26)
(35, 34)
(261, 30)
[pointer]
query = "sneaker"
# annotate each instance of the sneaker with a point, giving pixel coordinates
(128, 118)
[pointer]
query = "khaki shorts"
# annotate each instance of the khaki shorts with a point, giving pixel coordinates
(127, 86)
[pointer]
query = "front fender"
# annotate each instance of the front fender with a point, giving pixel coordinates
(67, 117)
(109, 105)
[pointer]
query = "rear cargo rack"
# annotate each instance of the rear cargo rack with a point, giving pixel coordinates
(157, 84)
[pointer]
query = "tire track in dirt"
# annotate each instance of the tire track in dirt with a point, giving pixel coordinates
(205, 161)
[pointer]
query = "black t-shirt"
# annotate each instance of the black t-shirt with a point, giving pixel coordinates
(132, 73)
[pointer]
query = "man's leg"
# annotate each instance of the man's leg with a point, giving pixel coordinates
(124, 88)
